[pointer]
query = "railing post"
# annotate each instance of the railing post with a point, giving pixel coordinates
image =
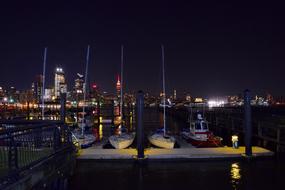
(278, 140)
(12, 154)
(140, 135)
(56, 138)
(62, 107)
(247, 123)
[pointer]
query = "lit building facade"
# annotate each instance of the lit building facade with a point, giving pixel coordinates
(78, 85)
(37, 88)
(118, 87)
(59, 82)
(174, 95)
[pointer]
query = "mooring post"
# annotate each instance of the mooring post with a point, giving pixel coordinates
(98, 111)
(140, 135)
(247, 123)
(62, 107)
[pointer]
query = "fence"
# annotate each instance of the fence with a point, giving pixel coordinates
(23, 145)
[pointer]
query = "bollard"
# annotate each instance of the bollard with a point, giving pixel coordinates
(62, 107)
(235, 141)
(140, 135)
(247, 123)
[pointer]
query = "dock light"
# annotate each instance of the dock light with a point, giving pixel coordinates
(235, 141)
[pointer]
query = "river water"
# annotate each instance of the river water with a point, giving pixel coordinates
(260, 174)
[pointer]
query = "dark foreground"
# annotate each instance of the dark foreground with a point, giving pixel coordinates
(258, 174)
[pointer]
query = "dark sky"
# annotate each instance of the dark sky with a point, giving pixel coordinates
(210, 48)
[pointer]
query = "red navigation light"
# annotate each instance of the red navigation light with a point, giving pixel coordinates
(94, 86)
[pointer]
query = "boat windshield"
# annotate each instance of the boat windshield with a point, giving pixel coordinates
(204, 126)
(198, 126)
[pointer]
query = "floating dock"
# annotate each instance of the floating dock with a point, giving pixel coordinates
(179, 153)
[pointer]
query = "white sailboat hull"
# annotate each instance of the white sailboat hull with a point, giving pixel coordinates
(122, 141)
(160, 141)
(85, 142)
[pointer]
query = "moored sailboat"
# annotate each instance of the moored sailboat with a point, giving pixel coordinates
(83, 138)
(160, 138)
(122, 139)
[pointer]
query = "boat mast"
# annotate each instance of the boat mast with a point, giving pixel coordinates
(163, 86)
(84, 88)
(121, 101)
(43, 87)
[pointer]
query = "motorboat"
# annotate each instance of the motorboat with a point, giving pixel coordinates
(199, 134)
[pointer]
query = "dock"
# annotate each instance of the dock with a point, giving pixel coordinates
(179, 153)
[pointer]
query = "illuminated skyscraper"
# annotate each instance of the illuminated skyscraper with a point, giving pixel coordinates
(78, 85)
(174, 95)
(37, 88)
(59, 82)
(118, 87)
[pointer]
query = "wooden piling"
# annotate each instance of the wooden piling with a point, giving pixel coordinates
(247, 123)
(140, 132)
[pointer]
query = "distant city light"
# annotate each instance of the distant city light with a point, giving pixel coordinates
(58, 69)
(198, 100)
(216, 103)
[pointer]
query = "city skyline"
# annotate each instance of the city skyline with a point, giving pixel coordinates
(216, 50)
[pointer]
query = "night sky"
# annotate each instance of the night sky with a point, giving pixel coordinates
(211, 49)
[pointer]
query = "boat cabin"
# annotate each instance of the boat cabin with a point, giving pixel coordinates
(199, 130)
(199, 126)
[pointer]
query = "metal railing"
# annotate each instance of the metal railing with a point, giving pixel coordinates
(26, 144)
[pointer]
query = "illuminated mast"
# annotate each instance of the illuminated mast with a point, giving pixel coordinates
(163, 88)
(43, 88)
(84, 89)
(121, 102)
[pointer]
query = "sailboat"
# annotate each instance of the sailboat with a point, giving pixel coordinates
(83, 139)
(160, 138)
(123, 139)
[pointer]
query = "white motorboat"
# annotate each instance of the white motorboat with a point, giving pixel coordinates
(199, 134)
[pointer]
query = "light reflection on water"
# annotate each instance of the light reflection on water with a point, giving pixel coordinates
(153, 119)
(235, 175)
(100, 131)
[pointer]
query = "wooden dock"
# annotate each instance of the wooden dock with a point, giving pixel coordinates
(171, 154)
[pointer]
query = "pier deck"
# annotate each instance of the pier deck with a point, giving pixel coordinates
(180, 153)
